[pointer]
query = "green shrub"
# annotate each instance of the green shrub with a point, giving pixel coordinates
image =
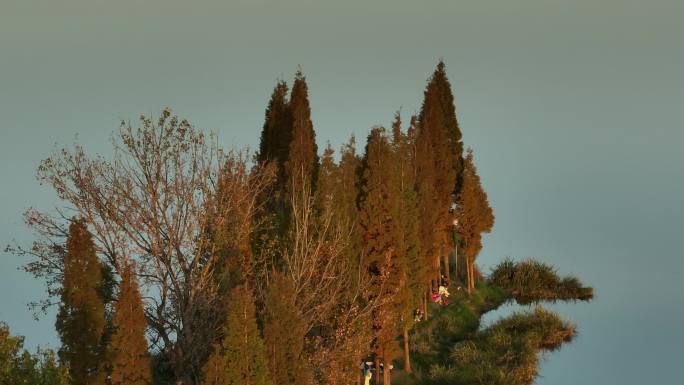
(531, 281)
(507, 353)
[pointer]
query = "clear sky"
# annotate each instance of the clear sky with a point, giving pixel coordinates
(573, 109)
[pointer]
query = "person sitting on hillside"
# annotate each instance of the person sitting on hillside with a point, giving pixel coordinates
(418, 314)
(443, 291)
(441, 296)
(444, 281)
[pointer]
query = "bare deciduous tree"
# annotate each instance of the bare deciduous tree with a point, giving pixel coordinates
(338, 309)
(165, 197)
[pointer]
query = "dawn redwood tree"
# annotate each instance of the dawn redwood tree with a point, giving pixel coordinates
(347, 193)
(276, 134)
(274, 148)
(440, 152)
(408, 233)
(130, 358)
(428, 206)
(379, 200)
(454, 137)
(301, 167)
(240, 359)
(214, 372)
(80, 320)
(384, 258)
(232, 236)
(284, 334)
(345, 205)
(441, 83)
(243, 346)
(474, 215)
(328, 181)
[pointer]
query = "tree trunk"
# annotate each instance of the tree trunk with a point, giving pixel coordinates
(407, 355)
(446, 267)
(376, 363)
(462, 267)
(471, 272)
(386, 380)
(468, 277)
(425, 305)
(472, 276)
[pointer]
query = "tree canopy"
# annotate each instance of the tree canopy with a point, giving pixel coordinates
(80, 321)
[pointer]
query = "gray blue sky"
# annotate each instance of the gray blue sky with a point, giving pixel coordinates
(573, 109)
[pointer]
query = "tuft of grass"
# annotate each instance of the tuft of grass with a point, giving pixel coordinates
(505, 353)
(531, 281)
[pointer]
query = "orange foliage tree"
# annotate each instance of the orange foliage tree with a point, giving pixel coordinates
(474, 215)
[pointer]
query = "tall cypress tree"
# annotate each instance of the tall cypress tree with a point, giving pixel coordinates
(276, 133)
(428, 205)
(454, 137)
(328, 181)
(284, 334)
(274, 147)
(409, 297)
(378, 201)
(346, 199)
(440, 166)
(475, 217)
(240, 359)
(347, 193)
(130, 358)
(301, 167)
(80, 321)
(288, 139)
(384, 260)
(215, 369)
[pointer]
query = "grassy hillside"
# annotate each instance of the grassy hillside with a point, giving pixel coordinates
(449, 348)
